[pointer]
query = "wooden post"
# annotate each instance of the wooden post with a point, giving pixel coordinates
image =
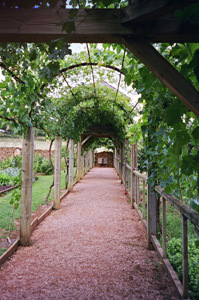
(71, 165)
(89, 159)
(185, 257)
(133, 177)
(57, 172)
(86, 163)
(151, 216)
(26, 190)
(79, 161)
(164, 228)
(121, 163)
(82, 166)
(93, 153)
(143, 200)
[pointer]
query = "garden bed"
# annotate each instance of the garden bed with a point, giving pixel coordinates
(6, 242)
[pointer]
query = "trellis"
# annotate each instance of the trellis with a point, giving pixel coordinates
(131, 178)
(135, 26)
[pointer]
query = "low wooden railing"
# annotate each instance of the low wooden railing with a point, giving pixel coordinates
(138, 190)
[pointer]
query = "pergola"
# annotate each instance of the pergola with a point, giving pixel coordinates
(137, 26)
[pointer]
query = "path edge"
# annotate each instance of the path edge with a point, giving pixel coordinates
(13, 248)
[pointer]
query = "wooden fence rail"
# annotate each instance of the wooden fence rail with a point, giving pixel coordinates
(138, 190)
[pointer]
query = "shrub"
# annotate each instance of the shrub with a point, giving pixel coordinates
(38, 159)
(15, 161)
(4, 179)
(174, 250)
(46, 167)
(42, 165)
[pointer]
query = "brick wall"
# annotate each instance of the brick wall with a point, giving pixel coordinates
(6, 152)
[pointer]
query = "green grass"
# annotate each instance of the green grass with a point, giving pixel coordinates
(40, 190)
(2, 250)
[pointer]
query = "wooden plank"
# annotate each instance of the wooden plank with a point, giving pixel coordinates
(45, 214)
(9, 189)
(34, 224)
(185, 257)
(168, 266)
(57, 172)
(184, 209)
(163, 70)
(85, 140)
(42, 25)
(140, 175)
(71, 165)
(26, 189)
(9, 252)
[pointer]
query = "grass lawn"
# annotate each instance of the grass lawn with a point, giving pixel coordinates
(40, 190)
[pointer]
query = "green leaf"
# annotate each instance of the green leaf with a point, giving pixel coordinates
(68, 27)
(33, 55)
(195, 133)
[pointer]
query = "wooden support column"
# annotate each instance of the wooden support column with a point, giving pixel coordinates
(57, 172)
(71, 165)
(86, 162)
(26, 190)
(114, 158)
(163, 70)
(79, 161)
(133, 177)
(89, 160)
(121, 163)
(82, 166)
(151, 216)
(93, 159)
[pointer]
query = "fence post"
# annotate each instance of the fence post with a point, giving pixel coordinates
(71, 165)
(57, 172)
(133, 177)
(82, 166)
(26, 190)
(93, 159)
(121, 163)
(185, 256)
(164, 228)
(151, 216)
(78, 161)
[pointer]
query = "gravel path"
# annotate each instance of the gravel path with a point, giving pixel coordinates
(94, 247)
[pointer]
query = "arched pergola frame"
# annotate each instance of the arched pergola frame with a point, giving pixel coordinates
(137, 27)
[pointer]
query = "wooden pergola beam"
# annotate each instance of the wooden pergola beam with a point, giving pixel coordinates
(44, 25)
(146, 19)
(162, 69)
(167, 30)
(85, 140)
(140, 11)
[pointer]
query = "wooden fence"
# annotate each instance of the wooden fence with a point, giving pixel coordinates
(144, 199)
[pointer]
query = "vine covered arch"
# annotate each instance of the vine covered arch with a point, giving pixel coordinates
(142, 28)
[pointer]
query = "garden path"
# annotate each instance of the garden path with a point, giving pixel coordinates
(94, 247)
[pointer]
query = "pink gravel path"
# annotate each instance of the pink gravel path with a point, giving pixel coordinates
(94, 247)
